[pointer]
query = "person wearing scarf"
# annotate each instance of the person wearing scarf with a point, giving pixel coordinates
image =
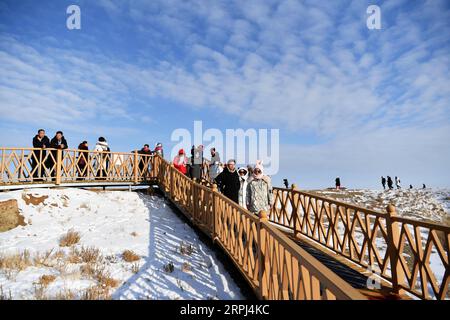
(180, 161)
(259, 190)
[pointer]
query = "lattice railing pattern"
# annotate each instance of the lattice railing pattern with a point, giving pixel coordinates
(416, 251)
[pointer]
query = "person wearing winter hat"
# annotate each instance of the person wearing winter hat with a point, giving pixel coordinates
(102, 159)
(159, 149)
(180, 161)
(228, 181)
(243, 175)
(259, 190)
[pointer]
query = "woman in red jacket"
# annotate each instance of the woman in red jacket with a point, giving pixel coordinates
(180, 161)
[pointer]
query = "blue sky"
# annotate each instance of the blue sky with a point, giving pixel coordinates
(348, 101)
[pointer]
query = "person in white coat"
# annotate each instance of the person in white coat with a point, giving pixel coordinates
(102, 159)
(243, 176)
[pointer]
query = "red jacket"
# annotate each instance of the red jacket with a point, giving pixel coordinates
(180, 165)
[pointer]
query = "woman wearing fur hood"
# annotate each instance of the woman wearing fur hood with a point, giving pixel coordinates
(259, 190)
(243, 176)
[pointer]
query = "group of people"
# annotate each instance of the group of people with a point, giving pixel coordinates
(390, 183)
(101, 161)
(247, 186)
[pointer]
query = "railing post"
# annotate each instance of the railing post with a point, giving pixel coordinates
(263, 290)
(214, 208)
(172, 187)
(294, 205)
(194, 198)
(393, 233)
(136, 167)
(58, 166)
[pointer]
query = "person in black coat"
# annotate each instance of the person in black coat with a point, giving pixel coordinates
(383, 182)
(390, 183)
(228, 181)
(143, 169)
(39, 141)
(338, 183)
(58, 142)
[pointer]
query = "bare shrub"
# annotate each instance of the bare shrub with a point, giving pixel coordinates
(17, 261)
(130, 256)
(46, 279)
(69, 239)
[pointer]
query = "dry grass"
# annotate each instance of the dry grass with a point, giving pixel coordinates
(34, 200)
(65, 295)
(46, 279)
(186, 267)
(18, 261)
(69, 239)
(169, 267)
(85, 254)
(186, 249)
(135, 267)
(96, 293)
(130, 256)
(3, 295)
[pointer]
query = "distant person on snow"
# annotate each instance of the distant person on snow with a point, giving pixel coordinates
(338, 183)
(196, 162)
(397, 183)
(424, 186)
(390, 183)
(286, 183)
(180, 162)
(259, 190)
(82, 159)
(228, 181)
(410, 186)
(40, 141)
(102, 159)
(383, 182)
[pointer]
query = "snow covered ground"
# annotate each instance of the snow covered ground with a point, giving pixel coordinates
(420, 204)
(173, 263)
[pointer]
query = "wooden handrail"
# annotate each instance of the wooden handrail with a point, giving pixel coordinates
(396, 245)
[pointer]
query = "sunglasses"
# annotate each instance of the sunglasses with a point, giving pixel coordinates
(257, 171)
(242, 172)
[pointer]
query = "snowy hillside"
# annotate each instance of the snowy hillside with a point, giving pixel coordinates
(130, 246)
(427, 204)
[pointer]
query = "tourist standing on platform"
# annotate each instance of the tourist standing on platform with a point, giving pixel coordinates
(196, 162)
(259, 190)
(243, 176)
(58, 142)
(180, 162)
(228, 181)
(214, 165)
(159, 149)
(40, 141)
(102, 159)
(82, 159)
(144, 162)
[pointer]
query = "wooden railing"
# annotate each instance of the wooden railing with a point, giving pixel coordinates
(30, 165)
(274, 266)
(412, 255)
